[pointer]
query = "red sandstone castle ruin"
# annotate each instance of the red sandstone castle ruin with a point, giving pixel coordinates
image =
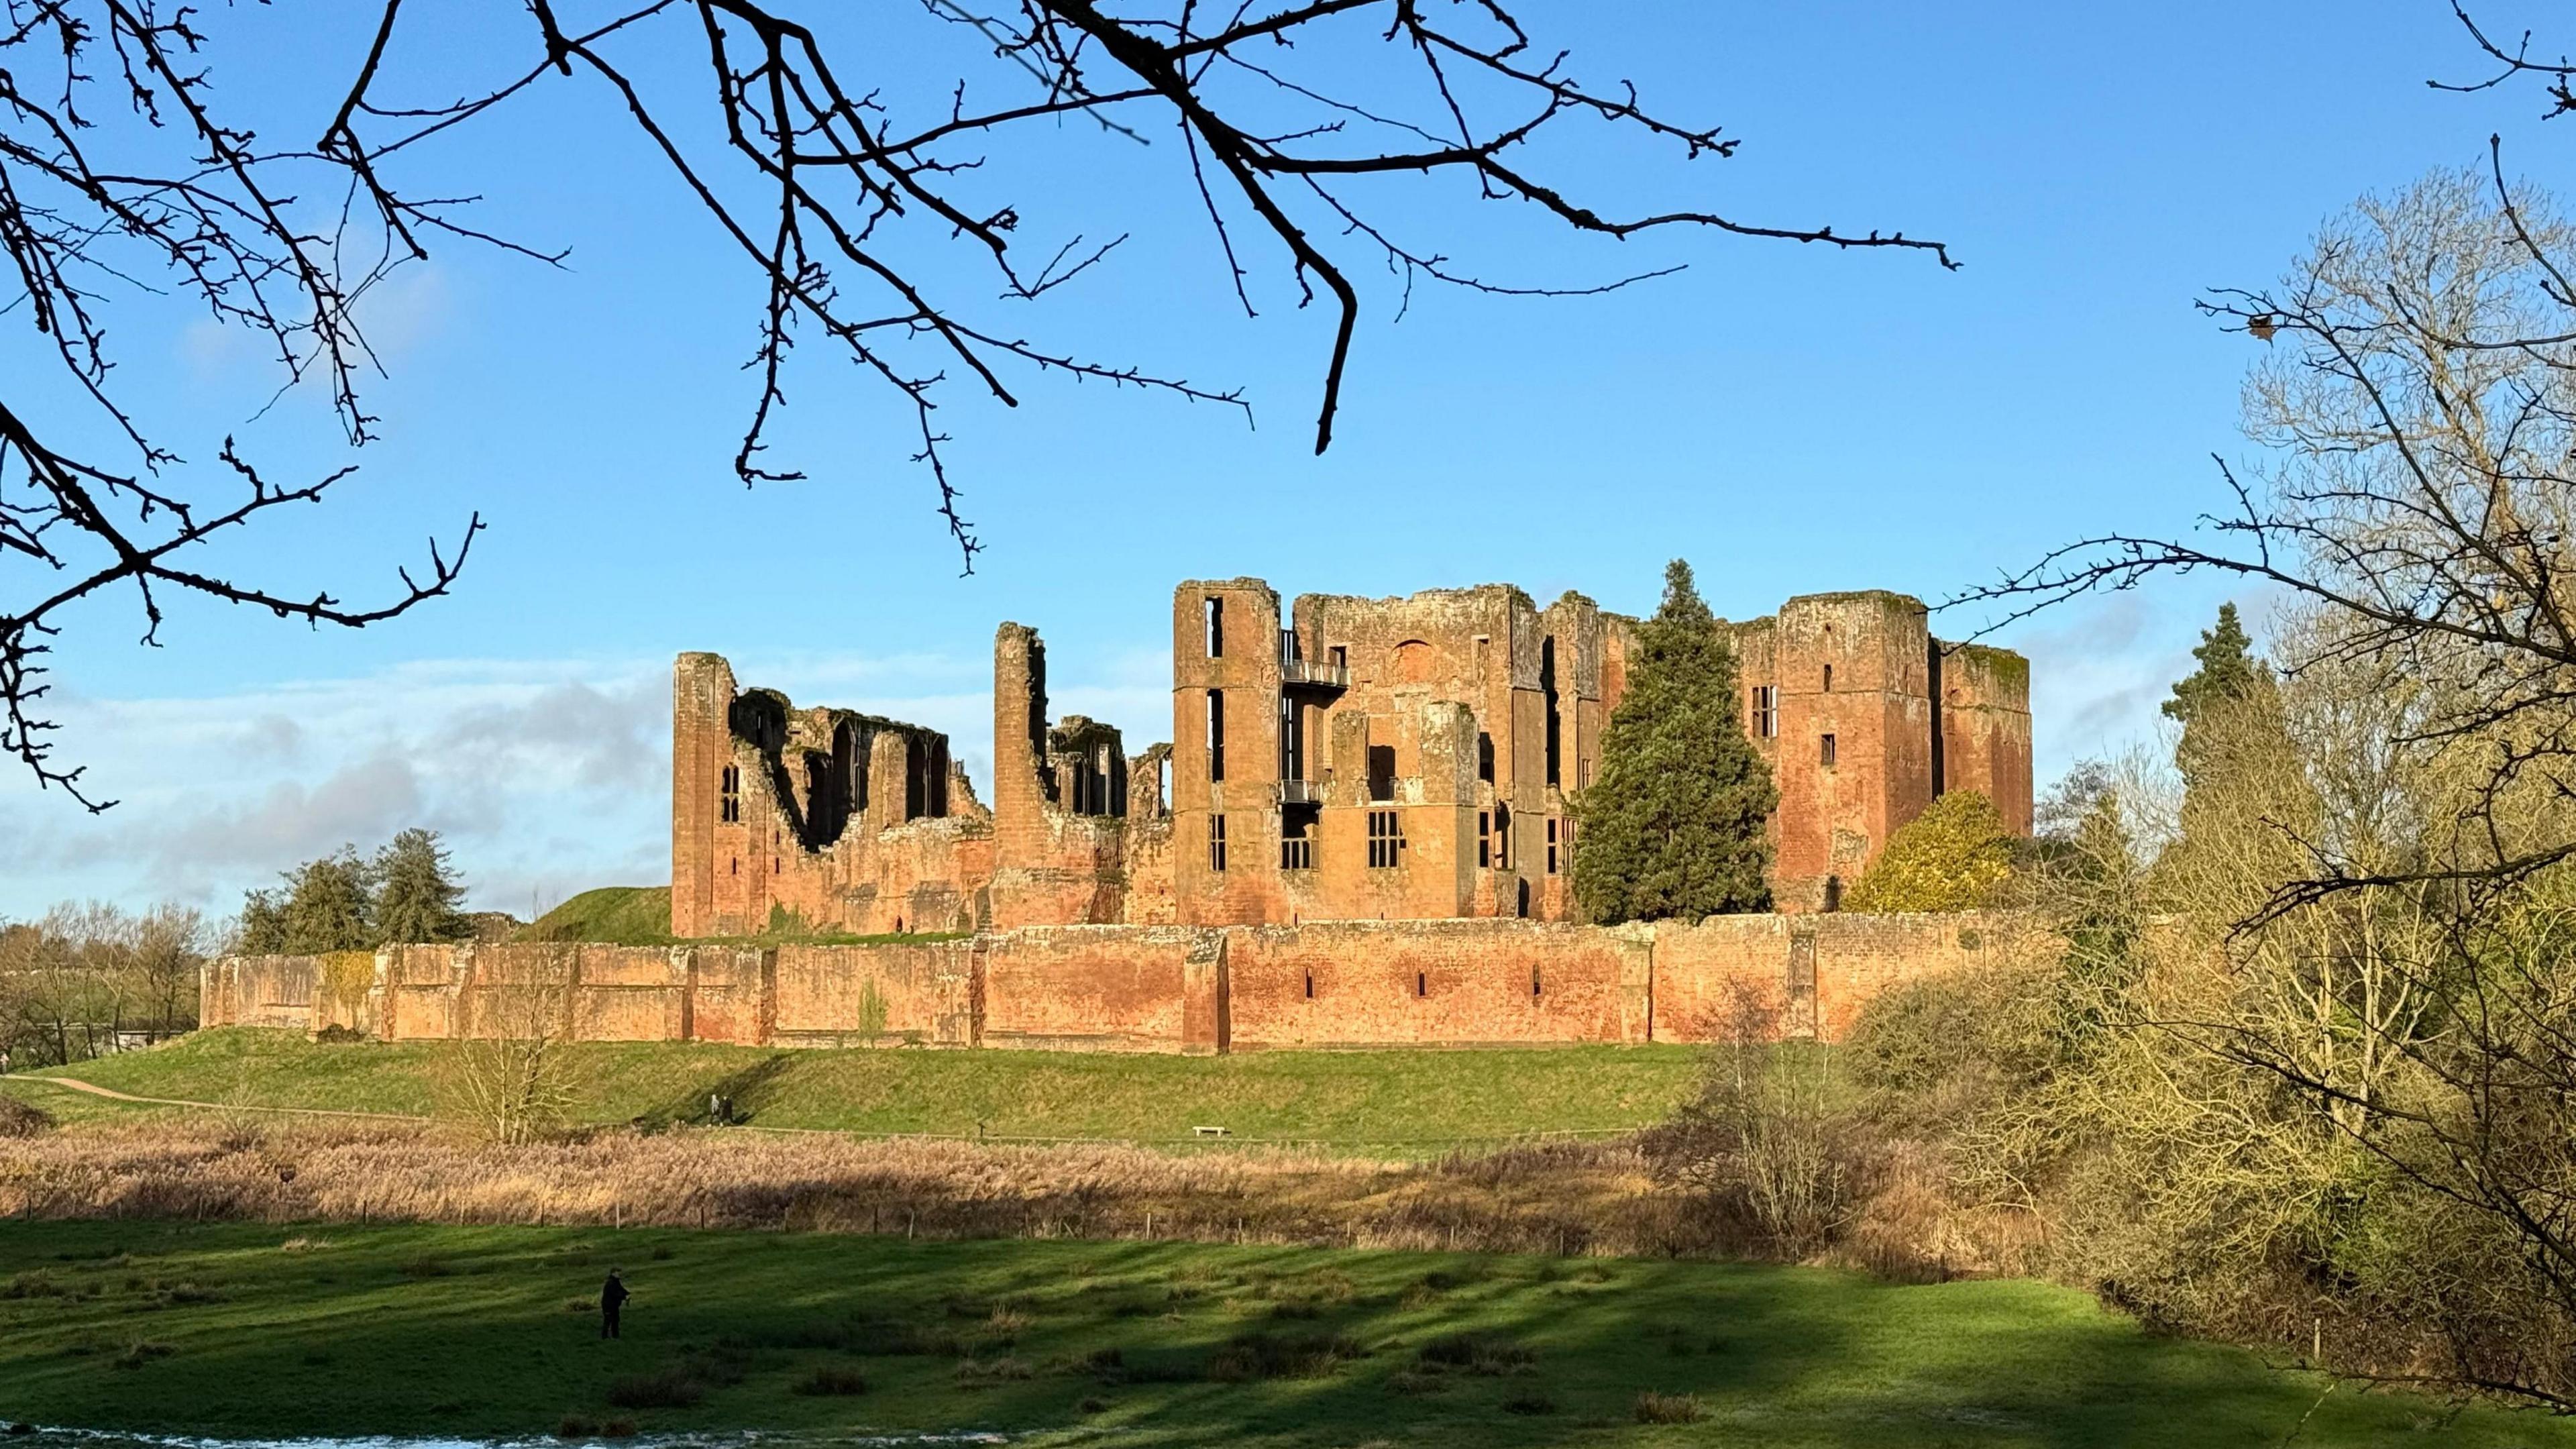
(1357, 759)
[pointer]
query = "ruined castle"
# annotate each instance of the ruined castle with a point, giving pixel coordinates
(1353, 759)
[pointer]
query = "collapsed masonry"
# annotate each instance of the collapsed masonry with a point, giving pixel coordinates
(1357, 759)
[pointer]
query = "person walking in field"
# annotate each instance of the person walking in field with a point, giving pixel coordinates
(612, 1298)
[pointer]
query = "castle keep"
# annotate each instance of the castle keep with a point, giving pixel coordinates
(1346, 759)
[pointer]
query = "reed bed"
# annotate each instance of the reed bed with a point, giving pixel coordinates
(1567, 1198)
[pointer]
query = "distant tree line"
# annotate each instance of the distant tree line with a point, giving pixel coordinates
(406, 892)
(89, 978)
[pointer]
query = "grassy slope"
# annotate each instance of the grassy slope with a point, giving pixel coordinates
(486, 1331)
(1357, 1097)
(610, 915)
(641, 916)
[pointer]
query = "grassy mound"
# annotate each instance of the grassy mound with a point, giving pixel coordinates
(1423, 1100)
(247, 1330)
(608, 916)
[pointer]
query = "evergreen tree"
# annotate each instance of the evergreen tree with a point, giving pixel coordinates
(1677, 823)
(417, 894)
(328, 905)
(2228, 678)
(263, 924)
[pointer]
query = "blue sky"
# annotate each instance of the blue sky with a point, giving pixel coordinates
(1790, 419)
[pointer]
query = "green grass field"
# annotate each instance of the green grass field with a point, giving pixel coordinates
(242, 1330)
(1390, 1098)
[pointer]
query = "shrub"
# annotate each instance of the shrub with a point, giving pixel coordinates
(1655, 1408)
(830, 1381)
(23, 1119)
(977, 1373)
(1955, 856)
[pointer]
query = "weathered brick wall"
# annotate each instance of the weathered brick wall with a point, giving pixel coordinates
(1156, 988)
(1113, 988)
(1450, 983)
(922, 995)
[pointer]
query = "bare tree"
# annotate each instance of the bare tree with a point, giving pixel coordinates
(2396, 907)
(509, 1075)
(1295, 123)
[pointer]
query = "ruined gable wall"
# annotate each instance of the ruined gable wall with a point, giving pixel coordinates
(1834, 819)
(850, 821)
(1245, 671)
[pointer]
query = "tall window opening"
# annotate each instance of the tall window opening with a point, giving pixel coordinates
(1292, 739)
(1484, 757)
(1216, 842)
(1422, 983)
(1381, 772)
(1385, 839)
(1215, 618)
(1502, 837)
(1547, 692)
(1341, 656)
(1551, 846)
(1829, 679)
(1310, 986)
(1533, 983)
(1825, 753)
(1484, 839)
(1216, 734)
(1766, 711)
(729, 806)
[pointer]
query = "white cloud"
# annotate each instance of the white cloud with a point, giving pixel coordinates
(546, 777)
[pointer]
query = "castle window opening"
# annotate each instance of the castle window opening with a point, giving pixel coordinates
(1215, 628)
(1551, 845)
(1421, 983)
(1296, 837)
(1292, 738)
(736, 862)
(1547, 690)
(1216, 734)
(1766, 711)
(1341, 656)
(1825, 755)
(1385, 839)
(1583, 774)
(1216, 842)
(1310, 986)
(731, 784)
(1381, 772)
(1484, 757)
(1484, 839)
(1533, 983)
(1829, 679)
(1502, 837)
(777, 866)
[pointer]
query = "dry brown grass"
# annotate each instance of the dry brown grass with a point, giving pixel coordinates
(1594, 1198)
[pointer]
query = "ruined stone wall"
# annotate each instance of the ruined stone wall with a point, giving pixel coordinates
(1444, 983)
(1155, 988)
(1110, 988)
(1985, 728)
(845, 821)
(892, 995)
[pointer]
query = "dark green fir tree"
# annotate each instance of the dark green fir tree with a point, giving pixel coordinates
(417, 895)
(1677, 824)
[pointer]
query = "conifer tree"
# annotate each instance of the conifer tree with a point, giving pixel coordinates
(1677, 823)
(327, 906)
(417, 896)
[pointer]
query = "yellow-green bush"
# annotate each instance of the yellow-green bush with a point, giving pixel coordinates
(1955, 856)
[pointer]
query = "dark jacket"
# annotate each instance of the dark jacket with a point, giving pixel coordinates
(612, 1294)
